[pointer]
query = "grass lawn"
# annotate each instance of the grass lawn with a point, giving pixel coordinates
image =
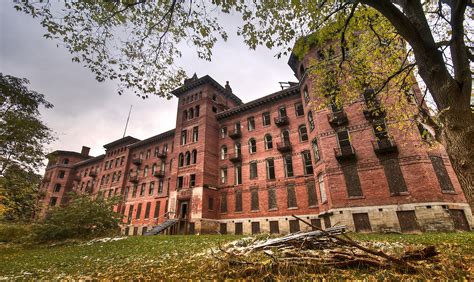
(185, 257)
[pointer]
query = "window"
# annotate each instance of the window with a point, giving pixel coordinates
(223, 132)
(139, 156)
(380, 129)
(192, 180)
(237, 127)
(61, 174)
(187, 158)
(183, 137)
(299, 110)
(185, 115)
(306, 95)
(238, 201)
(303, 133)
(266, 118)
(106, 165)
(160, 186)
(180, 160)
(122, 160)
(223, 152)
(191, 113)
(194, 156)
(134, 190)
(210, 203)
(310, 120)
(282, 111)
(251, 123)
(214, 97)
(214, 109)
(196, 111)
(156, 214)
(145, 171)
(237, 149)
(270, 169)
(165, 148)
(311, 190)
(52, 201)
(85, 172)
(307, 165)
(254, 206)
(147, 210)
(107, 178)
(252, 146)
(314, 144)
(291, 196)
(139, 211)
(223, 202)
(238, 175)
(179, 184)
(119, 174)
(142, 189)
(268, 142)
(156, 152)
(57, 187)
(114, 176)
(272, 200)
(322, 190)
(253, 170)
(153, 169)
(343, 138)
(288, 161)
(285, 136)
(147, 156)
(224, 175)
(66, 161)
(195, 133)
(151, 188)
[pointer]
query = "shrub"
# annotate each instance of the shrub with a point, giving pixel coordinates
(14, 233)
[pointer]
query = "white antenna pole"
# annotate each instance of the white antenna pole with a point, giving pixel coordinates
(128, 118)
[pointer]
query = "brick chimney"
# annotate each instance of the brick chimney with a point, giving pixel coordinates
(85, 151)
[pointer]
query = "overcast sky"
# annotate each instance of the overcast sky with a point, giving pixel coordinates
(90, 113)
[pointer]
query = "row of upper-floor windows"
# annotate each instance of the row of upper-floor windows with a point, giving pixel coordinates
(147, 171)
(270, 168)
(194, 135)
(115, 177)
(180, 183)
(156, 212)
(115, 152)
(190, 98)
(191, 113)
(118, 162)
(144, 190)
(187, 158)
(156, 152)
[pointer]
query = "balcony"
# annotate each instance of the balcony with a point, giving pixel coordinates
(236, 158)
(137, 161)
(162, 155)
(345, 153)
(236, 134)
(282, 121)
(284, 147)
(373, 112)
(385, 146)
(159, 174)
(337, 118)
(93, 174)
(134, 179)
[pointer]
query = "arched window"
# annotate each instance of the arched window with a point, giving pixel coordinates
(185, 115)
(268, 142)
(191, 113)
(252, 146)
(187, 157)
(223, 152)
(285, 136)
(303, 133)
(310, 120)
(196, 111)
(316, 149)
(194, 155)
(153, 169)
(145, 171)
(306, 95)
(214, 97)
(180, 160)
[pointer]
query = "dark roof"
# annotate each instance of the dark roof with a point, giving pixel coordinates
(68, 153)
(91, 160)
(292, 90)
(193, 83)
(126, 139)
(293, 62)
(152, 139)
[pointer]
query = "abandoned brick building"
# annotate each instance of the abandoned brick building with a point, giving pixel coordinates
(233, 167)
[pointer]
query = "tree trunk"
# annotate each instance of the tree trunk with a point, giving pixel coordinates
(458, 139)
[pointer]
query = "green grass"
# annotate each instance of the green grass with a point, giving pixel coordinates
(168, 256)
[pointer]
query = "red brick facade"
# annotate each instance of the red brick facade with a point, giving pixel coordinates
(309, 167)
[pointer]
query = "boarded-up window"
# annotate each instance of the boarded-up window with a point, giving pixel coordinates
(459, 220)
(312, 198)
(352, 180)
(127, 230)
(223, 202)
(291, 196)
(191, 228)
(130, 213)
(135, 231)
(407, 220)
(361, 222)
(274, 227)
(294, 226)
(255, 227)
(147, 210)
(238, 201)
(393, 173)
(254, 199)
(157, 210)
(272, 201)
(223, 228)
(316, 222)
(327, 221)
(442, 174)
(238, 228)
(139, 211)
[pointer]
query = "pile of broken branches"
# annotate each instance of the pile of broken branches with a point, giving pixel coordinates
(318, 249)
